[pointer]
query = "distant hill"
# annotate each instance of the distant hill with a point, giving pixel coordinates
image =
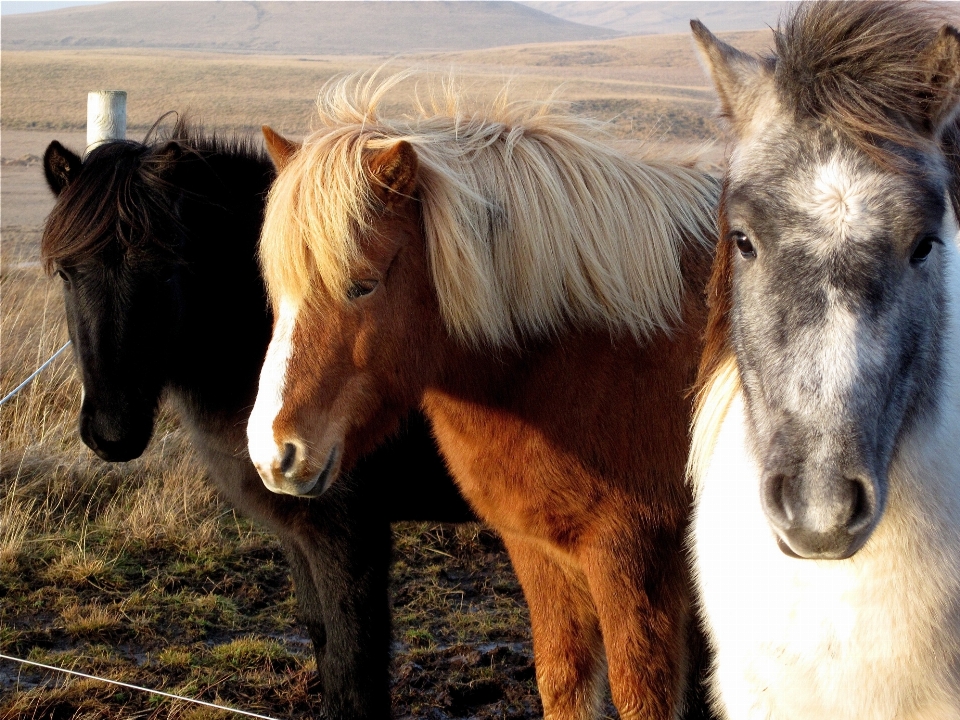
(655, 17)
(312, 28)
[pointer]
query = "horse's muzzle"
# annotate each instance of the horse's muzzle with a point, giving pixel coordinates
(292, 471)
(821, 518)
(114, 444)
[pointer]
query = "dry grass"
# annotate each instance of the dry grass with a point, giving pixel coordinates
(649, 86)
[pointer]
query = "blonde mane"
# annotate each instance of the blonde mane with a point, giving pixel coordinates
(710, 410)
(532, 220)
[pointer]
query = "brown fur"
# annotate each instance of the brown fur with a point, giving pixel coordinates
(716, 342)
(867, 67)
(393, 173)
(278, 147)
(574, 452)
(573, 447)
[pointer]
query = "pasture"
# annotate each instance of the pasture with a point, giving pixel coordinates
(137, 571)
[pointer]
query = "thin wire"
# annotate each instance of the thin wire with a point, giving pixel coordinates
(137, 687)
(36, 372)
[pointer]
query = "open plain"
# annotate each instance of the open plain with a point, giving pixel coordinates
(137, 571)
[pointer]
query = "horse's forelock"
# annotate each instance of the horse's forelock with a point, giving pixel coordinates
(125, 194)
(91, 211)
(860, 67)
(317, 207)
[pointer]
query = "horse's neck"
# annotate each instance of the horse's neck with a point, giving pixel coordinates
(609, 403)
(613, 402)
(225, 324)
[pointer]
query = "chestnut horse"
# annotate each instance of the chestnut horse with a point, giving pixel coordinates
(827, 531)
(539, 295)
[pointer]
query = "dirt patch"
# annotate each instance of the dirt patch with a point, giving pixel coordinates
(28, 160)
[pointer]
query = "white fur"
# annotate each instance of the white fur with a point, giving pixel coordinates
(839, 198)
(827, 362)
(873, 637)
(264, 449)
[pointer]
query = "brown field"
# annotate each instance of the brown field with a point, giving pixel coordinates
(137, 571)
(655, 83)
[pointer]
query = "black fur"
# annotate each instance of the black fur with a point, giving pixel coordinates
(157, 248)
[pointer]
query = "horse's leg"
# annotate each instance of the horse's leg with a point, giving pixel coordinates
(567, 646)
(639, 586)
(309, 603)
(339, 558)
(348, 556)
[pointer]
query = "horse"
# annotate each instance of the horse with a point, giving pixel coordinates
(538, 293)
(155, 243)
(826, 535)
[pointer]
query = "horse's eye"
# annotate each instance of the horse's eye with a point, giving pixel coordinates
(359, 288)
(923, 248)
(743, 244)
(62, 275)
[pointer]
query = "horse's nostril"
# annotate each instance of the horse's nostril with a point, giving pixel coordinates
(775, 501)
(863, 505)
(289, 458)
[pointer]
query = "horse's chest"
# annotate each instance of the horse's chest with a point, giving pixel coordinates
(804, 640)
(513, 475)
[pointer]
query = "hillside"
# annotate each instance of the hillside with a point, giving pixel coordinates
(314, 28)
(656, 18)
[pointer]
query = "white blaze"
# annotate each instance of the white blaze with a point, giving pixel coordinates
(828, 361)
(841, 199)
(262, 443)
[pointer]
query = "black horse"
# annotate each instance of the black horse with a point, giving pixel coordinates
(156, 247)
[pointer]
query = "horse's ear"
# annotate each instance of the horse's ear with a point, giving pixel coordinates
(165, 159)
(393, 172)
(740, 79)
(942, 69)
(60, 166)
(278, 147)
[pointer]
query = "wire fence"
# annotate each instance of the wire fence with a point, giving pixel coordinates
(10, 395)
(245, 713)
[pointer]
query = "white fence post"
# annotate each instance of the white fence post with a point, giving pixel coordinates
(106, 117)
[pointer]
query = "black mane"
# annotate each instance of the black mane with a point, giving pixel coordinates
(193, 136)
(128, 196)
